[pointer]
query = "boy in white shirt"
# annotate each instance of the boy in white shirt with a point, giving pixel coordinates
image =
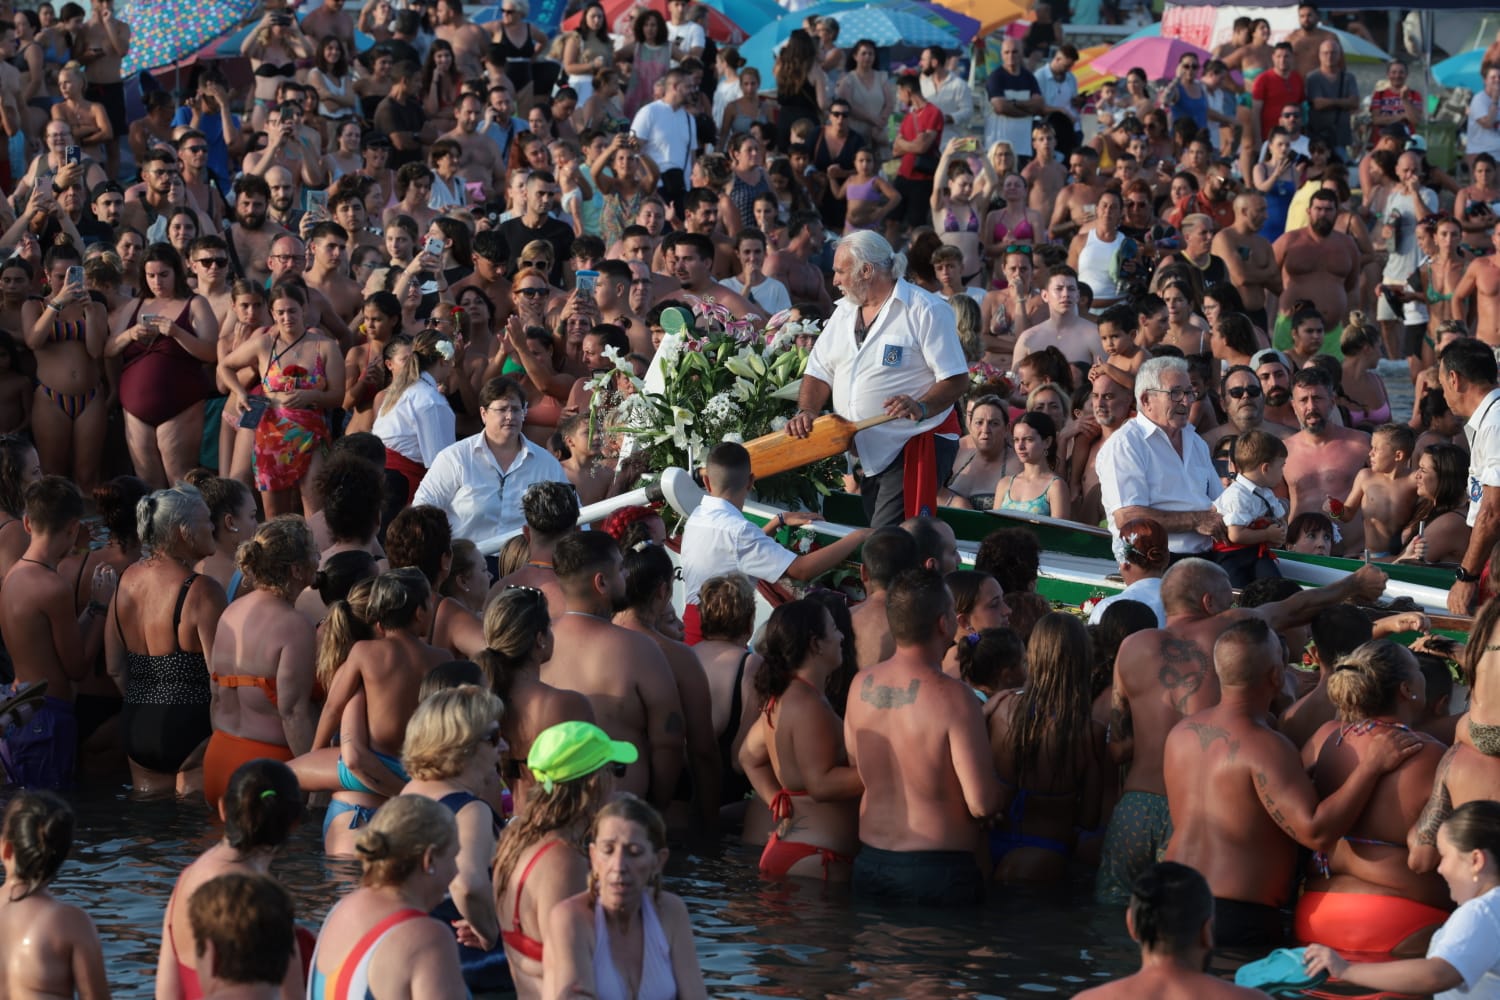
(1253, 514)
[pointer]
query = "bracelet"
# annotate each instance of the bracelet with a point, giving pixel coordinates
(51, 305)
(780, 521)
(924, 409)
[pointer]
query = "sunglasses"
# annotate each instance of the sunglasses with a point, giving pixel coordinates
(212, 262)
(617, 769)
(1241, 391)
(195, 149)
(531, 292)
(493, 738)
(838, 114)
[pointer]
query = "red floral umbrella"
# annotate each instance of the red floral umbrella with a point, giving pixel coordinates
(620, 15)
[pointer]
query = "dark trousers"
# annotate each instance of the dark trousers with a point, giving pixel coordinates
(884, 495)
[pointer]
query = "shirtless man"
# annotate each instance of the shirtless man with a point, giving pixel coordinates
(329, 273)
(701, 215)
(1275, 374)
(1045, 175)
(208, 259)
(551, 511)
(1016, 307)
(1076, 337)
(1317, 264)
(888, 552)
(792, 265)
(1244, 400)
(638, 246)
(478, 157)
(1481, 282)
(347, 208)
(1307, 39)
(155, 194)
(287, 147)
(1077, 203)
(1322, 459)
(282, 208)
(1164, 674)
(330, 19)
(47, 639)
(623, 674)
(1110, 406)
(917, 738)
(693, 256)
(253, 232)
(101, 44)
(1253, 267)
(468, 39)
(1241, 802)
(1171, 916)
(612, 296)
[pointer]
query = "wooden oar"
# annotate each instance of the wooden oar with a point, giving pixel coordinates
(831, 434)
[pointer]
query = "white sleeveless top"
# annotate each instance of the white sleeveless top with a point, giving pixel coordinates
(1096, 265)
(658, 982)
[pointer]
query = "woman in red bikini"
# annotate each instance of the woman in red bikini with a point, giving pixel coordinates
(574, 764)
(794, 755)
(1361, 898)
(261, 809)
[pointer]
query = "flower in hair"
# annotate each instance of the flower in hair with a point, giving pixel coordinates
(444, 348)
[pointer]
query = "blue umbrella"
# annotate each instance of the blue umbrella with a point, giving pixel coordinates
(885, 26)
(1460, 71)
(163, 32)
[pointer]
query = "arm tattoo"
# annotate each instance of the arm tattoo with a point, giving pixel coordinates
(1439, 805)
(1262, 784)
(1121, 721)
(1183, 667)
(882, 696)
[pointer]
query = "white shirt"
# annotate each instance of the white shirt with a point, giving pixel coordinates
(691, 33)
(953, 98)
(1242, 503)
(1147, 591)
(1059, 95)
(668, 135)
(1138, 467)
(717, 539)
(771, 295)
(1482, 138)
(480, 498)
(1470, 942)
(447, 194)
(420, 425)
(1402, 261)
(912, 345)
(1483, 432)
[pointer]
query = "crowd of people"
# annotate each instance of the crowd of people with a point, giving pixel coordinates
(345, 565)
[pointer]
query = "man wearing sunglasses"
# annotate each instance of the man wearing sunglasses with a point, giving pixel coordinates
(1244, 407)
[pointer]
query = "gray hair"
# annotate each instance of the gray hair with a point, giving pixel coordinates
(523, 7)
(161, 516)
(1150, 375)
(869, 247)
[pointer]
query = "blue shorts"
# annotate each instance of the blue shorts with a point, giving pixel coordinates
(42, 751)
(350, 783)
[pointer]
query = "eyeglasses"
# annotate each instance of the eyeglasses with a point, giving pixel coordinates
(1241, 391)
(640, 281)
(505, 411)
(287, 256)
(212, 262)
(1137, 204)
(531, 292)
(1177, 395)
(1291, 114)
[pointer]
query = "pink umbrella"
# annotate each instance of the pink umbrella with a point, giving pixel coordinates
(1156, 57)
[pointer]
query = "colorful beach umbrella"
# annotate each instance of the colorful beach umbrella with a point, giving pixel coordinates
(620, 15)
(991, 14)
(163, 32)
(935, 13)
(1089, 78)
(1157, 57)
(1461, 71)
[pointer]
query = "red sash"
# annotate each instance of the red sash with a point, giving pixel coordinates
(692, 626)
(920, 481)
(412, 471)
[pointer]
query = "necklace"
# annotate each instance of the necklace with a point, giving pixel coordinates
(587, 614)
(38, 562)
(546, 565)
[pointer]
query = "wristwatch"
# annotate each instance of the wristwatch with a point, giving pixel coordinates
(1464, 576)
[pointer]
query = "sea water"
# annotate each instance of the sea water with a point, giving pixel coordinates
(755, 938)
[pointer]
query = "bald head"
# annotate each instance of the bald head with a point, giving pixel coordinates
(1185, 584)
(1247, 653)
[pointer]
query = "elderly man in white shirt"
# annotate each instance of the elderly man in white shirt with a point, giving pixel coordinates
(1157, 466)
(890, 348)
(1468, 372)
(478, 482)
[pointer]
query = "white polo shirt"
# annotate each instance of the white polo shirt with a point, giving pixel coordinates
(717, 539)
(1483, 432)
(912, 345)
(480, 498)
(1138, 467)
(420, 425)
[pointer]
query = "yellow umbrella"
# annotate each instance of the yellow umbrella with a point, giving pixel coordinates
(1090, 79)
(991, 14)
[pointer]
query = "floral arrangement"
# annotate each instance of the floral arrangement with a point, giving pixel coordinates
(722, 379)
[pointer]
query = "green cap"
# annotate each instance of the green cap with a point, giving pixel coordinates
(571, 750)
